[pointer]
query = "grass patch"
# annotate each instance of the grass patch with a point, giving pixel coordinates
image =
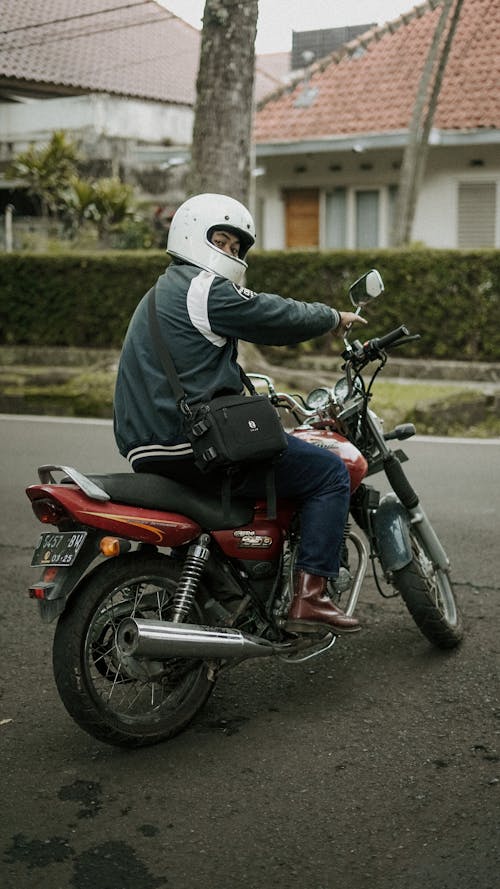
(434, 408)
(396, 402)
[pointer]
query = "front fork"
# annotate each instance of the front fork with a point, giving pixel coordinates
(392, 519)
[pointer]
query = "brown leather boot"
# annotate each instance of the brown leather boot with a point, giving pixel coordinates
(312, 610)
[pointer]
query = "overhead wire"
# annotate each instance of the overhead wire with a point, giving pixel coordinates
(69, 18)
(61, 36)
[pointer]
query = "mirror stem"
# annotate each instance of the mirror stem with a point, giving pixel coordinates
(348, 326)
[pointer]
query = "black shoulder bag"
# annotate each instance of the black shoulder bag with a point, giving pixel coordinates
(228, 430)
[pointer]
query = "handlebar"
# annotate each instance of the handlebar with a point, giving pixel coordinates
(383, 342)
(361, 353)
(283, 399)
(356, 356)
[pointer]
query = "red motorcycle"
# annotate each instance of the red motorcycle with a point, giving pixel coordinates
(157, 590)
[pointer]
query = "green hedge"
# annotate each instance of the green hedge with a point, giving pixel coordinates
(451, 298)
(72, 300)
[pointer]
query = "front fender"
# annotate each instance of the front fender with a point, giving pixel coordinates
(391, 526)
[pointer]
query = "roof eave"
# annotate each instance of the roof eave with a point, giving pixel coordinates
(359, 142)
(59, 90)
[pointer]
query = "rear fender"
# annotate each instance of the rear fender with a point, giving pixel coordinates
(57, 584)
(391, 526)
(144, 525)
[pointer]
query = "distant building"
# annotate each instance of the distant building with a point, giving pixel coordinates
(120, 79)
(329, 144)
(309, 46)
(329, 138)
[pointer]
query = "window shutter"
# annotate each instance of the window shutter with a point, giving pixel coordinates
(476, 214)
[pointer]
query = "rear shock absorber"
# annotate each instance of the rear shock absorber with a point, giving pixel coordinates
(196, 559)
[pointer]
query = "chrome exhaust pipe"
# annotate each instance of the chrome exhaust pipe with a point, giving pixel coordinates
(157, 640)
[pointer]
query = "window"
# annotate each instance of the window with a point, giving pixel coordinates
(367, 234)
(336, 218)
(476, 214)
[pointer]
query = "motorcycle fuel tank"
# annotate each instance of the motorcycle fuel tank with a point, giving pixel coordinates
(332, 441)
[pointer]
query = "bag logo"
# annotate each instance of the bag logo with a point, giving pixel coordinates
(253, 426)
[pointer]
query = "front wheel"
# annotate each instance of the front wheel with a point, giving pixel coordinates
(428, 594)
(124, 700)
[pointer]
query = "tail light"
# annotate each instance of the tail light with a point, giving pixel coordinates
(49, 512)
(44, 586)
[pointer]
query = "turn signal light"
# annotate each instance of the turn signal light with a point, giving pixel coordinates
(110, 546)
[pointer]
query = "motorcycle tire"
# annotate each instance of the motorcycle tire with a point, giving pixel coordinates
(428, 594)
(123, 700)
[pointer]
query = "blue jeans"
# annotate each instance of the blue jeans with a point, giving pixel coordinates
(318, 480)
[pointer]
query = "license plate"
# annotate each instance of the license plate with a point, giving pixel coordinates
(58, 548)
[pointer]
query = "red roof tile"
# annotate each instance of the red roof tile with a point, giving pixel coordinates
(370, 86)
(130, 47)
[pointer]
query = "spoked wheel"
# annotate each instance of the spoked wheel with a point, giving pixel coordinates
(428, 594)
(121, 699)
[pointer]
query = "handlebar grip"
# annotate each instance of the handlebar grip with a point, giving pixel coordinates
(383, 342)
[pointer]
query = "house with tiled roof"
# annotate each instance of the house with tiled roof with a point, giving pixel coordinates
(329, 145)
(117, 75)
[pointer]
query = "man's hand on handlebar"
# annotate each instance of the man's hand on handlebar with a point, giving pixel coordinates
(347, 319)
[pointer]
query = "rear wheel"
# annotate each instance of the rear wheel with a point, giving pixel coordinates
(428, 594)
(125, 700)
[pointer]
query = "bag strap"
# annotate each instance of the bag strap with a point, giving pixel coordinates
(271, 500)
(161, 348)
(246, 381)
(166, 358)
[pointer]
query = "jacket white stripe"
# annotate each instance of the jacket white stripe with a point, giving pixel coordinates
(156, 450)
(197, 306)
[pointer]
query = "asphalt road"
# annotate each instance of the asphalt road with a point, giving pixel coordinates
(376, 766)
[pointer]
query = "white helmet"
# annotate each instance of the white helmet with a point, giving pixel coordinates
(193, 225)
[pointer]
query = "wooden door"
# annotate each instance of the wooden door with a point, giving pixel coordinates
(302, 217)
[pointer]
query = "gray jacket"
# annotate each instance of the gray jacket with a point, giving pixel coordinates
(201, 317)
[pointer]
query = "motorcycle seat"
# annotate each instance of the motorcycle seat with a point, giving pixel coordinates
(151, 491)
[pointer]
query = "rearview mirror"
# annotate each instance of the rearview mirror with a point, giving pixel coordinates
(366, 288)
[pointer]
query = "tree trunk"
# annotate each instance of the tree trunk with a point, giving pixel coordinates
(415, 154)
(221, 149)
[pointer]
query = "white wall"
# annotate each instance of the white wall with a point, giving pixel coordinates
(436, 218)
(110, 116)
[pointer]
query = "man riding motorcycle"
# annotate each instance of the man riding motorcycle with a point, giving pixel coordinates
(203, 310)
